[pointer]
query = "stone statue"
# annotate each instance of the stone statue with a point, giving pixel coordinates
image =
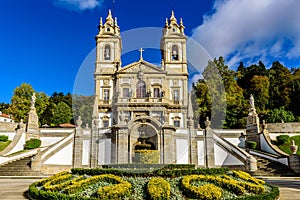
(33, 99)
(252, 101)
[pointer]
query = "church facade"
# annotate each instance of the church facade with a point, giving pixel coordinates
(141, 102)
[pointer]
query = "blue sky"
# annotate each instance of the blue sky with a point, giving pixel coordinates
(44, 42)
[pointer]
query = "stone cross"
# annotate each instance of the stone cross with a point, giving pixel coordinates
(141, 53)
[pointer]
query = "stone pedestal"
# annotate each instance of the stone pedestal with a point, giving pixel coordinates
(32, 124)
(294, 162)
(252, 128)
(36, 162)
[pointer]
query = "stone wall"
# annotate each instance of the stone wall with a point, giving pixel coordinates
(293, 127)
(8, 127)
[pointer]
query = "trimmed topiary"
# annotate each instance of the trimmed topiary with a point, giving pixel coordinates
(251, 144)
(159, 189)
(3, 138)
(147, 156)
(281, 139)
(33, 143)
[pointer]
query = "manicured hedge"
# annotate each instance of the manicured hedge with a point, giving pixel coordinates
(281, 139)
(33, 143)
(159, 189)
(160, 172)
(209, 184)
(3, 138)
(147, 156)
(251, 144)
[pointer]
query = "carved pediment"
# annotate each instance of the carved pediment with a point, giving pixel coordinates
(141, 66)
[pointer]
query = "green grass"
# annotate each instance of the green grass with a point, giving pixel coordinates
(3, 145)
(286, 146)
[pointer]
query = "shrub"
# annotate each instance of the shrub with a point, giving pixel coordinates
(207, 192)
(33, 143)
(3, 138)
(147, 156)
(251, 144)
(159, 189)
(281, 139)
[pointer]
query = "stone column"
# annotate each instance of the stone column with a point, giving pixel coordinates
(294, 163)
(77, 151)
(33, 121)
(169, 146)
(123, 149)
(36, 161)
(209, 149)
(252, 128)
(93, 144)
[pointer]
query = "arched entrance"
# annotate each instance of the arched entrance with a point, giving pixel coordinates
(143, 137)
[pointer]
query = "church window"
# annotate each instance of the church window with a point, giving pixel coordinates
(126, 93)
(174, 52)
(177, 122)
(107, 52)
(141, 89)
(108, 29)
(105, 123)
(106, 94)
(176, 96)
(156, 92)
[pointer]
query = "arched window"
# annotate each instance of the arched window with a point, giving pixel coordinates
(107, 52)
(141, 89)
(174, 52)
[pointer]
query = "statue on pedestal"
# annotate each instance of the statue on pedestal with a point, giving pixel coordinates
(33, 99)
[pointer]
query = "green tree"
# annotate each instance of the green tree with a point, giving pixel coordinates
(83, 106)
(295, 94)
(279, 77)
(259, 87)
(280, 115)
(62, 113)
(20, 102)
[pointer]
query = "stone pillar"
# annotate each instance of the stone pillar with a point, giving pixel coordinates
(77, 151)
(251, 164)
(209, 149)
(32, 121)
(169, 150)
(294, 163)
(124, 150)
(93, 144)
(252, 128)
(36, 161)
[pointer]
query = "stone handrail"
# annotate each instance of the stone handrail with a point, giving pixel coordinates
(7, 159)
(243, 155)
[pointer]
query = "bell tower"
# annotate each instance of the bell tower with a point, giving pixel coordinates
(108, 61)
(108, 46)
(173, 46)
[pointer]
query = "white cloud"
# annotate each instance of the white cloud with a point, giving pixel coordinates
(78, 5)
(252, 30)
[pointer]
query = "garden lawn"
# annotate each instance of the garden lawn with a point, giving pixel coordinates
(286, 146)
(4, 144)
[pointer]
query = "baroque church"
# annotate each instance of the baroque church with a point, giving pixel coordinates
(141, 106)
(141, 102)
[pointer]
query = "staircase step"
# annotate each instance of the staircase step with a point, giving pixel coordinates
(267, 167)
(19, 167)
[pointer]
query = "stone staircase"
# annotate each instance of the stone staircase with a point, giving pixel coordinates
(19, 167)
(267, 167)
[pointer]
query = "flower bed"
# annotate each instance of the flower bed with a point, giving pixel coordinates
(226, 184)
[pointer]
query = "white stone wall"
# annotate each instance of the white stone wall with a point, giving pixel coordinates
(62, 157)
(104, 151)
(182, 151)
(200, 147)
(85, 152)
(223, 158)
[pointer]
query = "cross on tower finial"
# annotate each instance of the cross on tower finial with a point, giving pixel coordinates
(141, 50)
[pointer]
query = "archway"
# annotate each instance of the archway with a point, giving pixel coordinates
(143, 137)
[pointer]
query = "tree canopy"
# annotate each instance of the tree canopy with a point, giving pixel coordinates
(276, 91)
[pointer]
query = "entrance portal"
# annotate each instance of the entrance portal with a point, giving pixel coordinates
(145, 139)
